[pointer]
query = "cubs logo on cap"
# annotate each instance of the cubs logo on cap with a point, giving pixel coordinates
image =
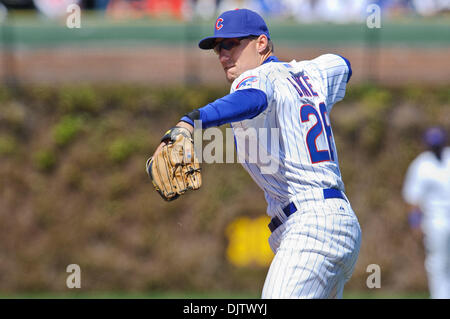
(219, 24)
(236, 24)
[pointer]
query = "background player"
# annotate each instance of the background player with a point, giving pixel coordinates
(315, 233)
(427, 189)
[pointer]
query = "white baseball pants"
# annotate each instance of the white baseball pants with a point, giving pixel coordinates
(316, 249)
(437, 260)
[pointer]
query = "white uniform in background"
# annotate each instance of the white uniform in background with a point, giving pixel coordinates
(54, 9)
(427, 185)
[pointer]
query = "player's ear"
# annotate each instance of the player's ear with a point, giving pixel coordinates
(262, 43)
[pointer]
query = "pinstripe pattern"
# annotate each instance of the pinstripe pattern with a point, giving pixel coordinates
(316, 248)
(327, 74)
(315, 252)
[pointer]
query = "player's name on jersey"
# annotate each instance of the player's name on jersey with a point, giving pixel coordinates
(230, 308)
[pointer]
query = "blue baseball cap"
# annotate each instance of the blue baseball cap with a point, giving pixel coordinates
(235, 24)
(434, 136)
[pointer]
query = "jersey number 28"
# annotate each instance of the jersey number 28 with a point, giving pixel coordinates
(316, 155)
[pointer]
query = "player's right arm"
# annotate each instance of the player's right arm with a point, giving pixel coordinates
(412, 192)
(414, 183)
(250, 95)
(236, 106)
(246, 101)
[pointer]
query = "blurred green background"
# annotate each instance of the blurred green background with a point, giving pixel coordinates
(82, 109)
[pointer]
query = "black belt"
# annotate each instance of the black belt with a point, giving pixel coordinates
(290, 209)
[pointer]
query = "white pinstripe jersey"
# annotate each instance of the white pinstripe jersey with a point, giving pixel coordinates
(300, 96)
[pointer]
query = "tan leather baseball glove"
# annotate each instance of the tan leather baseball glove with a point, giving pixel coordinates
(175, 169)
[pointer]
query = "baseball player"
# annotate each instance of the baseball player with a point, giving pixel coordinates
(315, 233)
(427, 189)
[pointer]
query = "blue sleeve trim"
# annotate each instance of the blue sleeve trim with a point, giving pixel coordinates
(349, 68)
(187, 120)
(237, 106)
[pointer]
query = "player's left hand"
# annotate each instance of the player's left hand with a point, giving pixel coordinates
(174, 168)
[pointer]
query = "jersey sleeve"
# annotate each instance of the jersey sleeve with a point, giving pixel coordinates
(335, 72)
(236, 106)
(413, 186)
(254, 79)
